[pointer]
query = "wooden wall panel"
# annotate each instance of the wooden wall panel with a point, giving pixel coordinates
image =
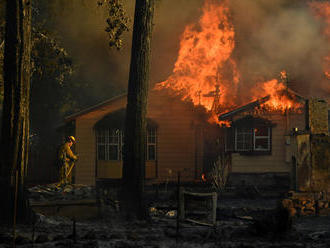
(175, 141)
(276, 162)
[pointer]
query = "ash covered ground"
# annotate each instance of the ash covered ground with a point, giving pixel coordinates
(241, 222)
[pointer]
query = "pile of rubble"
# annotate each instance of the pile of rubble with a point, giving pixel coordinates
(303, 204)
(53, 192)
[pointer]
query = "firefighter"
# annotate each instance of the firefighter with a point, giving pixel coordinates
(66, 160)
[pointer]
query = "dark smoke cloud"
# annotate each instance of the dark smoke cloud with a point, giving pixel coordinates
(272, 36)
(171, 18)
(82, 28)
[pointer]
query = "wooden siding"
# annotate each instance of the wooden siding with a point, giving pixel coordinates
(175, 137)
(176, 141)
(276, 162)
(85, 146)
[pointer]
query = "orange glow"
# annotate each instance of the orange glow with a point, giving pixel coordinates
(284, 75)
(224, 123)
(206, 73)
(280, 98)
(203, 177)
(205, 49)
(214, 119)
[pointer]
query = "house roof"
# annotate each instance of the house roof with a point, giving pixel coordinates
(244, 108)
(105, 104)
(256, 103)
(94, 107)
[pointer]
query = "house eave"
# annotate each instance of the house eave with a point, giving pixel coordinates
(92, 108)
(243, 108)
(256, 103)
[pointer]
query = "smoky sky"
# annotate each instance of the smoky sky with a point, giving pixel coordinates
(82, 30)
(270, 36)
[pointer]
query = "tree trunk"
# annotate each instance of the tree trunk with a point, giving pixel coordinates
(135, 129)
(15, 121)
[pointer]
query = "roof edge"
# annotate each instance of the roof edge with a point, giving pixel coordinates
(90, 109)
(244, 108)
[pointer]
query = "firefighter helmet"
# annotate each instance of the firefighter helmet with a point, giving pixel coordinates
(72, 139)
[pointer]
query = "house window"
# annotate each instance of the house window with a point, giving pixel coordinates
(110, 144)
(246, 140)
(250, 135)
(101, 144)
(114, 144)
(151, 143)
(261, 139)
(243, 139)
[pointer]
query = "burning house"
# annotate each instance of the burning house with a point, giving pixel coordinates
(271, 144)
(220, 68)
(265, 143)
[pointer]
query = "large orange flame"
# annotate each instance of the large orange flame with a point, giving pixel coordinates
(206, 73)
(205, 51)
(280, 99)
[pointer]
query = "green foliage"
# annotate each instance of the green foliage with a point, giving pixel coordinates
(52, 69)
(117, 22)
(56, 90)
(50, 59)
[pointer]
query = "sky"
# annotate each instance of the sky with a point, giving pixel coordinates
(270, 36)
(84, 37)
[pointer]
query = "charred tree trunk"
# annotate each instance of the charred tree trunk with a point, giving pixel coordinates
(135, 130)
(15, 121)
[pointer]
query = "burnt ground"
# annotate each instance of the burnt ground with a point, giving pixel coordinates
(236, 227)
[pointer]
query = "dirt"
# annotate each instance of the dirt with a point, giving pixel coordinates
(235, 227)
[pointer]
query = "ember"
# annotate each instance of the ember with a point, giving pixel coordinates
(203, 177)
(280, 98)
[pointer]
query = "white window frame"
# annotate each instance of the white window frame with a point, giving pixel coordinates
(151, 132)
(106, 134)
(244, 133)
(251, 131)
(114, 133)
(261, 137)
(102, 134)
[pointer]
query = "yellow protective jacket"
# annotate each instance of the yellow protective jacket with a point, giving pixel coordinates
(65, 154)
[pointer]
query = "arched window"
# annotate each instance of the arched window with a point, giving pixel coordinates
(110, 137)
(109, 144)
(151, 143)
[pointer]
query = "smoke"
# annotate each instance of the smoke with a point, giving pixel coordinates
(82, 26)
(171, 18)
(272, 36)
(82, 30)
